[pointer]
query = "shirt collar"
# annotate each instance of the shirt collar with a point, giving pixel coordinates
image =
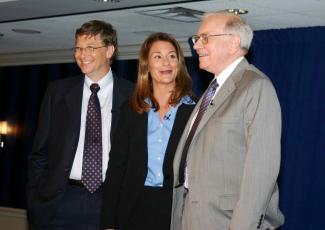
(223, 76)
(187, 100)
(184, 100)
(103, 83)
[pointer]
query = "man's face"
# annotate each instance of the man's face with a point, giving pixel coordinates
(92, 56)
(215, 55)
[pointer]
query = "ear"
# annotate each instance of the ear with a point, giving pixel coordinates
(110, 52)
(235, 44)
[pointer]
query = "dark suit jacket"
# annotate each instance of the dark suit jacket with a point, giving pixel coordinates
(127, 168)
(56, 141)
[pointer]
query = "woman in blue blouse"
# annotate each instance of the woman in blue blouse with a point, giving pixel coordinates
(138, 188)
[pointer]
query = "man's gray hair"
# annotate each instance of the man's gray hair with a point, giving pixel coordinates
(236, 25)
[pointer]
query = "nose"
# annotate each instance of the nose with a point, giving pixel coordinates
(198, 44)
(166, 61)
(82, 53)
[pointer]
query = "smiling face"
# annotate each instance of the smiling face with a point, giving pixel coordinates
(163, 64)
(94, 64)
(219, 51)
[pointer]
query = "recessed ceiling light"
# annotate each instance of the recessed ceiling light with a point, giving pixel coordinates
(1, 35)
(237, 11)
(2, 1)
(107, 1)
(176, 13)
(26, 31)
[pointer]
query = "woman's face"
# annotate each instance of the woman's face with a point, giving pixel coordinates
(163, 64)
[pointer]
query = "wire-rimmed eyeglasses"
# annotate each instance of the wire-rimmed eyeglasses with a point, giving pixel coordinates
(88, 49)
(205, 37)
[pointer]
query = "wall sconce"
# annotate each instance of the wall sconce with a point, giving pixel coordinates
(3, 131)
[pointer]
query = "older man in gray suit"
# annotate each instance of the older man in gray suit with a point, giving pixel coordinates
(228, 158)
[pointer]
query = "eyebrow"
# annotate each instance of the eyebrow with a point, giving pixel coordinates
(87, 45)
(158, 52)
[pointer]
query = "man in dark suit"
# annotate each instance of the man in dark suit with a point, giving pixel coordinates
(76, 125)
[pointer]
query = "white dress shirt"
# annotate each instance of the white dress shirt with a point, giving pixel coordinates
(105, 96)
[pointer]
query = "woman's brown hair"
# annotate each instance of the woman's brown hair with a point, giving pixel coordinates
(144, 87)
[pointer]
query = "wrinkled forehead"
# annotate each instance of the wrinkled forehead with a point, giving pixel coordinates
(212, 24)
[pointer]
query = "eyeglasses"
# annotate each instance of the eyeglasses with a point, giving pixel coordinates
(205, 37)
(88, 49)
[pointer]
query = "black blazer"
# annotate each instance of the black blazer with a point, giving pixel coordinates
(127, 167)
(56, 141)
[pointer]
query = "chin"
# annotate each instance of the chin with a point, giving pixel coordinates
(86, 70)
(203, 66)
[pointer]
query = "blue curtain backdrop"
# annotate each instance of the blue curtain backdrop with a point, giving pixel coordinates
(292, 58)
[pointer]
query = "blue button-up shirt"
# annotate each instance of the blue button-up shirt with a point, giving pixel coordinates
(158, 135)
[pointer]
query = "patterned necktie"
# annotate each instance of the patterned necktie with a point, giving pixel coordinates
(93, 152)
(206, 100)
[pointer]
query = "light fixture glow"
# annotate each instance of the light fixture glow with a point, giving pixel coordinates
(3, 131)
(237, 11)
(4, 128)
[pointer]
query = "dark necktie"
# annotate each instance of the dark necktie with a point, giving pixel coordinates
(206, 100)
(93, 152)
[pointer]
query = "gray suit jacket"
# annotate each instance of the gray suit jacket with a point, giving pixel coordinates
(233, 160)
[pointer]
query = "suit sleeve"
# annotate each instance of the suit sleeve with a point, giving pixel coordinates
(38, 159)
(116, 170)
(262, 119)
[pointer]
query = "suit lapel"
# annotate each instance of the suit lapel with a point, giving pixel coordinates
(139, 141)
(118, 98)
(224, 92)
(73, 103)
(180, 121)
(116, 94)
(189, 122)
(73, 98)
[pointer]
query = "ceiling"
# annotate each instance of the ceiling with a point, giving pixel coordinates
(57, 21)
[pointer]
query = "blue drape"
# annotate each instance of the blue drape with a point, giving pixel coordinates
(293, 59)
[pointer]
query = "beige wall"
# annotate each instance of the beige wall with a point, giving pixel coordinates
(13, 219)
